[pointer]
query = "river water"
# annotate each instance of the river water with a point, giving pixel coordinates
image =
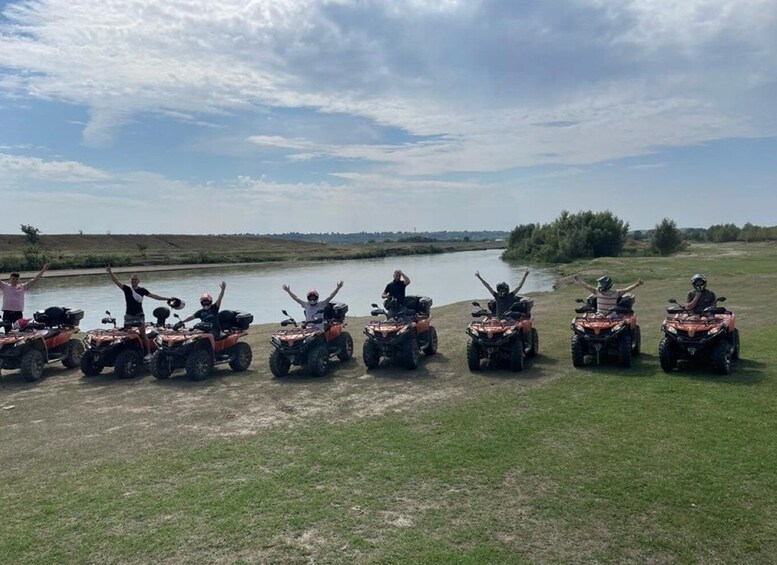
(447, 278)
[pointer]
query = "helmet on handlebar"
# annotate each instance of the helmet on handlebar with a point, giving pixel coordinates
(699, 282)
(502, 288)
(604, 283)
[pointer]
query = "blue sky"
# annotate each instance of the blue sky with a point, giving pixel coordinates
(222, 116)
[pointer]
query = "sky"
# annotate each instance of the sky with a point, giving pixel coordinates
(270, 116)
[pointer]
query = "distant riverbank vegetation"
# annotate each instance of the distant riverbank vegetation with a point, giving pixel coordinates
(587, 235)
(27, 252)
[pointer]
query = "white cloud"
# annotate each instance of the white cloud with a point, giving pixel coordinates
(479, 76)
(14, 166)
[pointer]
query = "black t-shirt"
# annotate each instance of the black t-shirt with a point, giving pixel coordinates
(210, 316)
(706, 300)
(397, 290)
(504, 302)
(134, 306)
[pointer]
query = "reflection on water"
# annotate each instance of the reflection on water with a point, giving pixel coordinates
(447, 278)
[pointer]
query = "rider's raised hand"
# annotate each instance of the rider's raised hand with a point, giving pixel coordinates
(340, 284)
(285, 287)
(223, 285)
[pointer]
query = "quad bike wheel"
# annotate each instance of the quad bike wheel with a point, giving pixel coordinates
(241, 357)
(32, 365)
(410, 353)
(88, 365)
(473, 355)
(346, 347)
(624, 349)
(735, 345)
(199, 365)
(127, 364)
(318, 361)
(160, 366)
(516, 355)
(636, 342)
(667, 355)
(721, 357)
(578, 351)
(431, 347)
(534, 348)
(279, 363)
(370, 354)
(75, 350)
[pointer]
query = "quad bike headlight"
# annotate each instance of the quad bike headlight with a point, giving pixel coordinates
(715, 330)
(275, 340)
(579, 327)
(310, 338)
(403, 330)
(511, 331)
(671, 329)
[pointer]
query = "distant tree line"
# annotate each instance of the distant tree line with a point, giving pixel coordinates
(399, 236)
(587, 235)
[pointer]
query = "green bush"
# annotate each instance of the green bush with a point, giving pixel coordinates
(666, 237)
(584, 235)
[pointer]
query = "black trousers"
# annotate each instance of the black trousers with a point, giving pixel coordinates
(9, 317)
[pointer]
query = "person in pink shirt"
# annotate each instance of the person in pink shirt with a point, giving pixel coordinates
(13, 296)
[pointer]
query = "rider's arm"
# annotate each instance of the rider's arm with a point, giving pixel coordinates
(337, 288)
(485, 284)
(523, 280)
(640, 282)
(116, 281)
(31, 282)
(692, 304)
(157, 297)
(404, 278)
(584, 284)
(294, 297)
(223, 287)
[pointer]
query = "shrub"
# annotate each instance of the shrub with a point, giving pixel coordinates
(666, 237)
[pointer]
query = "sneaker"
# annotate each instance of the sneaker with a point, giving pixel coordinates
(147, 358)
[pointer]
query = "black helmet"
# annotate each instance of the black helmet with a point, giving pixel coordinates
(502, 288)
(175, 304)
(604, 283)
(699, 282)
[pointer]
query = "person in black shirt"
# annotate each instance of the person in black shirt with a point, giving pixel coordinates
(209, 313)
(503, 296)
(700, 297)
(396, 288)
(133, 296)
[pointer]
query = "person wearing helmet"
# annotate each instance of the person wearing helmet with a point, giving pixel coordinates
(209, 310)
(313, 307)
(133, 297)
(606, 296)
(700, 297)
(503, 297)
(396, 287)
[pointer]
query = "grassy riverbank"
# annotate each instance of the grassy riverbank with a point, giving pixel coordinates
(437, 465)
(89, 251)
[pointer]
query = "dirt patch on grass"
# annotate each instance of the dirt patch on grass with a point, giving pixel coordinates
(89, 418)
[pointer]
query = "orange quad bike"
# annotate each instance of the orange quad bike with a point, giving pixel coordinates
(47, 339)
(120, 348)
(311, 343)
(197, 350)
(404, 333)
(511, 337)
(611, 334)
(710, 337)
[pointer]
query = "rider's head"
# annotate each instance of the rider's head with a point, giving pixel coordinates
(134, 281)
(604, 283)
(312, 297)
(14, 279)
(206, 300)
(699, 282)
(397, 275)
(502, 288)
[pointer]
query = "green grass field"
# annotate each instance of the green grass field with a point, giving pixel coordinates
(439, 465)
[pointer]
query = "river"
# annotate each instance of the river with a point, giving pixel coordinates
(446, 277)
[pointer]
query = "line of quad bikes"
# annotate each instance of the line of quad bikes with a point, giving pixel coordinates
(400, 334)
